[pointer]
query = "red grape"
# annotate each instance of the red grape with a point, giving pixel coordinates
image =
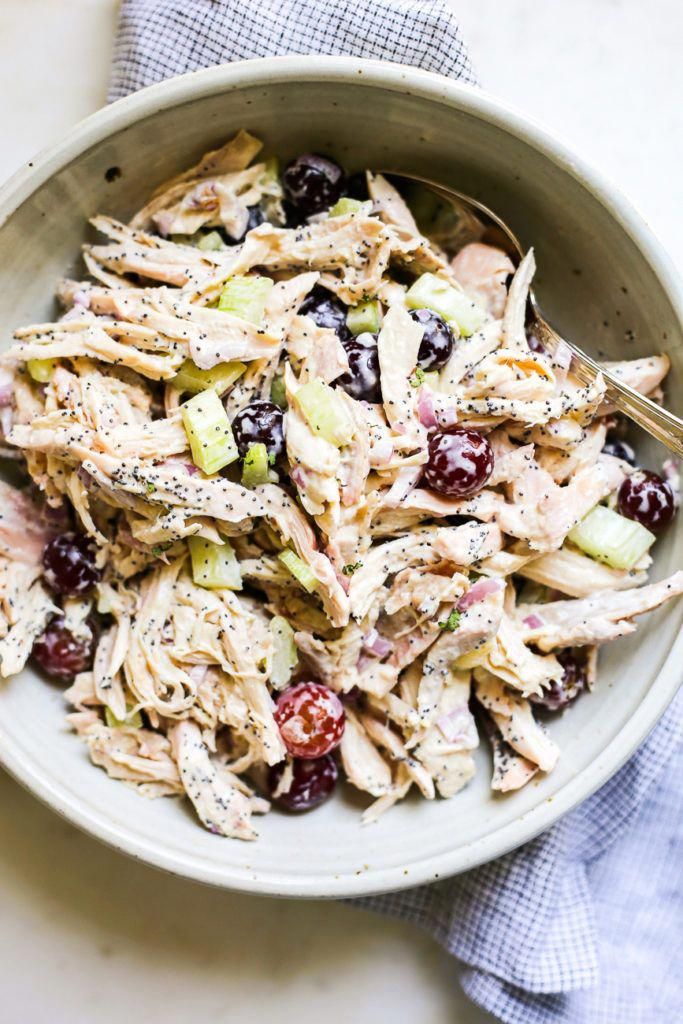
(648, 499)
(69, 563)
(312, 783)
(437, 340)
(61, 654)
(260, 423)
(310, 718)
(459, 464)
(560, 695)
(313, 183)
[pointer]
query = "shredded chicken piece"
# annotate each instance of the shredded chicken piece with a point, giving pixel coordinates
(482, 271)
(430, 545)
(397, 345)
(364, 766)
(444, 747)
(220, 805)
(139, 757)
(596, 619)
(514, 718)
(511, 771)
(476, 626)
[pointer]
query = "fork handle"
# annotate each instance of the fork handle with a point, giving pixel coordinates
(661, 424)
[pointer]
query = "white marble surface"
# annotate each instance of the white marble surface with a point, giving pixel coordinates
(88, 937)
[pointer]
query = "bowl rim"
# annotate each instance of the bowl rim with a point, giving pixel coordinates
(428, 85)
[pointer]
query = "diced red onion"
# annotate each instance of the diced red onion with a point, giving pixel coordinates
(458, 727)
(298, 476)
(6, 418)
(425, 409)
(533, 622)
(6, 387)
(377, 645)
(478, 592)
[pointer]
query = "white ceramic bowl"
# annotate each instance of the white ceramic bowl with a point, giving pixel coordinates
(601, 274)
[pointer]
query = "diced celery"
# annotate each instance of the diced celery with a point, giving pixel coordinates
(299, 570)
(41, 370)
(271, 171)
(278, 393)
(211, 242)
(285, 655)
(608, 537)
(245, 297)
(432, 292)
(256, 466)
(344, 206)
(324, 412)
(209, 432)
(134, 721)
(220, 377)
(214, 566)
(365, 317)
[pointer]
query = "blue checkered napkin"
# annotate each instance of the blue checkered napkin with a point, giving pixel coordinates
(584, 925)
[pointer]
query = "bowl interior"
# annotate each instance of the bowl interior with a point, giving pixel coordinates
(597, 282)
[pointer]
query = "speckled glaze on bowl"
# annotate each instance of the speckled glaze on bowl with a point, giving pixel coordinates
(602, 276)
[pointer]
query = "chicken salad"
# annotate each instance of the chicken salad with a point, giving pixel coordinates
(303, 499)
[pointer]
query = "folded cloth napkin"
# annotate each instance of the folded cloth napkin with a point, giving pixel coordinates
(584, 925)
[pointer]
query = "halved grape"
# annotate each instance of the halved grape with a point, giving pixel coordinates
(325, 310)
(620, 450)
(70, 566)
(437, 340)
(362, 381)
